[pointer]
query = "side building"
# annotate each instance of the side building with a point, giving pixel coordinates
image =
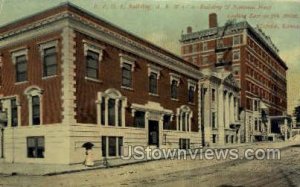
(69, 78)
(255, 63)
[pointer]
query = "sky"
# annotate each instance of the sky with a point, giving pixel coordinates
(162, 22)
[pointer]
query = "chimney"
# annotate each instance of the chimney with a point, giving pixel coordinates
(213, 20)
(189, 29)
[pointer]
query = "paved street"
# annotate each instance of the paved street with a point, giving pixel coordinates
(284, 172)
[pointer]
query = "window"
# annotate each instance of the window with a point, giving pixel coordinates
(127, 75)
(191, 94)
(214, 138)
(213, 120)
(153, 83)
(167, 122)
(236, 40)
(204, 59)
(213, 95)
(174, 89)
(227, 138)
(184, 143)
(236, 55)
(111, 108)
(184, 118)
(36, 110)
(35, 147)
(219, 57)
(111, 146)
(204, 46)
(21, 68)
(50, 64)
(220, 43)
(111, 112)
(92, 64)
(14, 113)
(139, 119)
(102, 108)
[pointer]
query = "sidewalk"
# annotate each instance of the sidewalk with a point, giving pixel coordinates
(51, 169)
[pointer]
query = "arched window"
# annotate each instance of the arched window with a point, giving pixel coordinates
(34, 95)
(184, 118)
(111, 108)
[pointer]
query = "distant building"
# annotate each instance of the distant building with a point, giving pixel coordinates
(254, 61)
(70, 79)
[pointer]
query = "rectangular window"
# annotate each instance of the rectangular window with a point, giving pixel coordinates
(111, 112)
(120, 114)
(236, 55)
(204, 59)
(36, 110)
(153, 83)
(103, 111)
(139, 119)
(103, 148)
(236, 40)
(21, 68)
(14, 113)
(214, 138)
(183, 122)
(174, 89)
(213, 120)
(204, 46)
(219, 57)
(167, 122)
(213, 95)
(113, 145)
(184, 143)
(35, 147)
(191, 94)
(127, 75)
(50, 64)
(92, 64)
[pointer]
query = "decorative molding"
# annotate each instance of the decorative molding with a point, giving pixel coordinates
(154, 69)
(99, 32)
(30, 92)
(17, 53)
(48, 44)
(92, 46)
(175, 77)
(127, 59)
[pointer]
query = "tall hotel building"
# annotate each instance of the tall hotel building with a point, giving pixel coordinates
(255, 63)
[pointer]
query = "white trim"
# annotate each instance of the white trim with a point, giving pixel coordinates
(30, 92)
(88, 45)
(17, 53)
(154, 69)
(117, 96)
(46, 45)
(175, 77)
(127, 59)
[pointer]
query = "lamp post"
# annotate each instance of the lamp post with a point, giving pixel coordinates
(3, 121)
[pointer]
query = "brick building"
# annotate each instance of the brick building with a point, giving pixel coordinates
(255, 63)
(69, 78)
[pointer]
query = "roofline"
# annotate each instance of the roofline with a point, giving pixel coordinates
(123, 31)
(252, 30)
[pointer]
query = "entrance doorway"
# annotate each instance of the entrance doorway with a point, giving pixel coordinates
(153, 133)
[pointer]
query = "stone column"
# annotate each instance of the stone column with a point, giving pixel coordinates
(220, 108)
(117, 112)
